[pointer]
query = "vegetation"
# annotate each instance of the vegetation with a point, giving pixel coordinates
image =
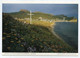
(38, 22)
(21, 37)
(24, 14)
(73, 20)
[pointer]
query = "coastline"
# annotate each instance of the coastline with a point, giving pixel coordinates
(49, 25)
(53, 32)
(52, 28)
(57, 35)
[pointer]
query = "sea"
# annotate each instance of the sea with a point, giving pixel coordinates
(68, 31)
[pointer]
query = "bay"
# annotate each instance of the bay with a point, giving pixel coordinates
(68, 31)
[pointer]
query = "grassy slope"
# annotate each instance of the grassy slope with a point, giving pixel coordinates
(43, 15)
(22, 14)
(18, 37)
(36, 15)
(75, 20)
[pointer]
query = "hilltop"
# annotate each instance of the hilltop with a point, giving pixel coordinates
(23, 10)
(36, 15)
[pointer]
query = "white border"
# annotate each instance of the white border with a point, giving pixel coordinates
(41, 2)
(38, 54)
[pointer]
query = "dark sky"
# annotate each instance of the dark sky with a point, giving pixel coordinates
(55, 9)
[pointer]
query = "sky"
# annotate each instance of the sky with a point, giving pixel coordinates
(55, 9)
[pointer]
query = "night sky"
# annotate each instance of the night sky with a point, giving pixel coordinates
(55, 9)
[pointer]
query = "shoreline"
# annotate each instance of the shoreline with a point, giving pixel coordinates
(57, 35)
(53, 32)
(50, 26)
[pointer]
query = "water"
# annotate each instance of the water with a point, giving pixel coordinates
(68, 31)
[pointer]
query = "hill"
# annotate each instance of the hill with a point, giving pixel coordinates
(24, 14)
(21, 37)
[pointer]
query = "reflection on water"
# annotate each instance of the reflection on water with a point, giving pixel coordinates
(68, 31)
